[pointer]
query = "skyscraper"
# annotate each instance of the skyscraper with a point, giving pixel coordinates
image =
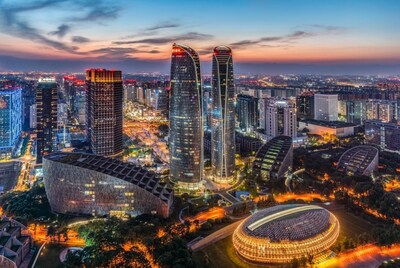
(186, 125)
(46, 116)
(247, 113)
(326, 107)
(10, 121)
(280, 118)
(223, 116)
(104, 100)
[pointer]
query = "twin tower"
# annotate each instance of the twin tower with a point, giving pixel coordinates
(186, 117)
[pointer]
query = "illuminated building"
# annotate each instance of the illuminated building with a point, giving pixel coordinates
(10, 121)
(278, 117)
(278, 234)
(186, 125)
(356, 111)
(247, 113)
(326, 107)
(222, 116)
(46, 114)
(384, 135)
(88, 184)
(273, 159)
(359, 160)
(383, 110)
(104, 100)
(15, 243)
(32, 116)
(305, 106)
(319, 127)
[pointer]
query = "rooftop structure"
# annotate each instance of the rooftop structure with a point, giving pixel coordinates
(279, 234)
(79, 183)
(273, 159)
(359, 160)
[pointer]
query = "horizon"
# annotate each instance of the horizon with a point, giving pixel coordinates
(271, 37)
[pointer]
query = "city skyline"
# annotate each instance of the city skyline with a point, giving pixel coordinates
(325, 37)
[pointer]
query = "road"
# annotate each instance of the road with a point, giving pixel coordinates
(362, 257)
(216, 236)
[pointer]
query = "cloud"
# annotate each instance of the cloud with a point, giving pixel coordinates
(12, 23)
(168, 39)
(330, 28)
(62, 30)
(283, 40)
(80, 39)
(163, 25)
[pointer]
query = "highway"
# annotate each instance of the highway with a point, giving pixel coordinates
(216, 236)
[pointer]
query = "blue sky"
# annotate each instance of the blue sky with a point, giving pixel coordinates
(302, 36)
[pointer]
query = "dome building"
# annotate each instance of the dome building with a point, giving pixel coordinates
(280, 233)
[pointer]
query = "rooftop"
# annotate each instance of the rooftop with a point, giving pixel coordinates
(330, 124)
(116, 168)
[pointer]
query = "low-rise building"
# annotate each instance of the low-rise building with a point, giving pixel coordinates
(79, 183)
(319, 127)
(359, 160)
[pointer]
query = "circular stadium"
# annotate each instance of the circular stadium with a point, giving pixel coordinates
(281, 233)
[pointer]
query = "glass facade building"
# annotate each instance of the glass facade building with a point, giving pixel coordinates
(186, 124)
(223, 116)
(247, 113)
(10, 121)
(46, 117)
(104, 101)
(87, 184)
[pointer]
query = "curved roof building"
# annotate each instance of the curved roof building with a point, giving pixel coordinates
(273, 159)
(223, 116)
(186, 124)
(78, 183)
(359, 160)
(279, 234)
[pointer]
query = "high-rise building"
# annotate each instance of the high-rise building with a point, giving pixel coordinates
(186, 125)
(104, 100)
(46, 114)
(384, 135)
(223, 116)
(305, 106)
(279, 118)
(247, 113)
(355, 111)
(326, 107)
(10, 121)
(383, 110)
(32, 116)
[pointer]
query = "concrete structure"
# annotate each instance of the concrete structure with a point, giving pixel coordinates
(104, 100)
(278, 116)
(326, 107)
(10, 121)
(305, 106)
(384, 135)
(276, 235)
(32, 116)
(186, 118)
(247, 113)
(337, 128)
(46, 112)
(359, 160)
(273, 159)
(88, 184)
(15, 243)
(383, 110)
(223, 116)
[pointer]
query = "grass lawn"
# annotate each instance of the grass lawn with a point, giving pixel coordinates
(222, 254)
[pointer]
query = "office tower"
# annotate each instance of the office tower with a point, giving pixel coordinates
(46, 113)
(69, 91)
(223, 116)
(10, 121)
(32, 116)
(305, 105)
(80, 105)
(104, 100)
(247, 113)
(207, 105)
(186, 125)
(355, 111)
(280, 118)
(62, 115)
(326, 107)
(384, 135)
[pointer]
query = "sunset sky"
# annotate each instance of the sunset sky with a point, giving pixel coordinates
(266, 36)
